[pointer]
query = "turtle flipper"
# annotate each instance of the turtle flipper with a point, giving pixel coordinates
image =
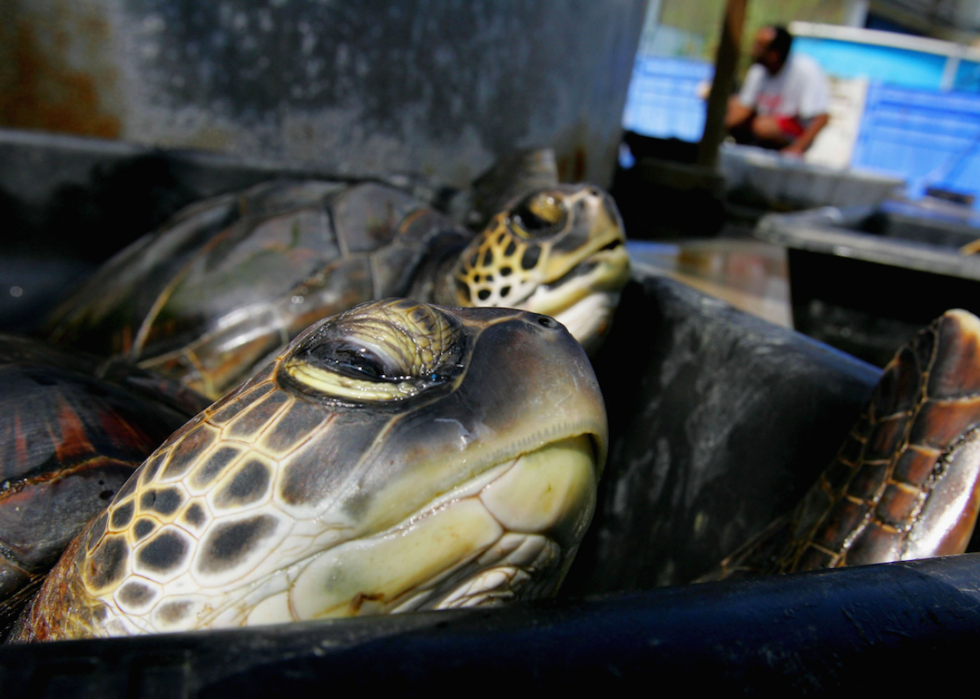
(905, 484)
(757, 555)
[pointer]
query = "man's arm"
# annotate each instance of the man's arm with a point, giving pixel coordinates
(803, 141)
(815, 100)
(737, 113)
(742, 106)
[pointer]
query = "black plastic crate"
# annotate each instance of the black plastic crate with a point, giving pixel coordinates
(718, 423)
(864, 279)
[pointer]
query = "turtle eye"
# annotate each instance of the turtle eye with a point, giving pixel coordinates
(383, 351)
(356, 362)
(539, 213)
(340, 369)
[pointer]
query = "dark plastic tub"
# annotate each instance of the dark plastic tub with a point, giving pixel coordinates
(864, 279)
(901, 628)
(764, 179)
(718, 422)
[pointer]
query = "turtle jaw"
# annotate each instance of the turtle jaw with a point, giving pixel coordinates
(437, 530)
(509, 533)
(584, 299)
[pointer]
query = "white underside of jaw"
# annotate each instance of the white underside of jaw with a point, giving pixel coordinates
(502, 535)
(505, 571)
(590, 319)
(497, 537)
(585, 304)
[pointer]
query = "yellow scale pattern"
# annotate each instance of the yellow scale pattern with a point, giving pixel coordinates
(206, 511)
(501, 269)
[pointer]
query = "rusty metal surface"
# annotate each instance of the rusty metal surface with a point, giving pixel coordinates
(435, 87)
(55, 70)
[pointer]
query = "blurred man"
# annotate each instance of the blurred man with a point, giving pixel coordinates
(784, 100)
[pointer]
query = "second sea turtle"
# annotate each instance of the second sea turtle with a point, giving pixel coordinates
(905, 483)
(228, 282)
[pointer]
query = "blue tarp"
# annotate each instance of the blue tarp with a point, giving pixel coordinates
(662, 101)
(931, 138)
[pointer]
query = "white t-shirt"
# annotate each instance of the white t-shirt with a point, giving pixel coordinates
(798, 90)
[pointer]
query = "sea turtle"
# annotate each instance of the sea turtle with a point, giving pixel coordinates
(69, 439)
(396, 457)
(905, 484)
(229, 281)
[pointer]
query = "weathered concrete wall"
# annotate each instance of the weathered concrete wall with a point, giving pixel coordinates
(441, 87)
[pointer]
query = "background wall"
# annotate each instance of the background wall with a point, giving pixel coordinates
(690, 28)
(416, 85)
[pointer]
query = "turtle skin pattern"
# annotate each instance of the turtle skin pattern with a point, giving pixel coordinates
(219, 525)
(170, 508)
(904, 483)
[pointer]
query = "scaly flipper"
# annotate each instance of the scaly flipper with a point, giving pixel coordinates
(904, 484)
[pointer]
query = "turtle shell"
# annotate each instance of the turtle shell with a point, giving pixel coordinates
(68, 442)
(232, 279)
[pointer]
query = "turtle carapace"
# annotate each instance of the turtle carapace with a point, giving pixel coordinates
(70, 436)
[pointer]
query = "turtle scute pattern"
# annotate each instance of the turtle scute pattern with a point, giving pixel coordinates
(228, 282)
(904, 482)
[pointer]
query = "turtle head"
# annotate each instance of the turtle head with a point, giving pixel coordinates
(472, 490)
(398, 456)
(559, 251)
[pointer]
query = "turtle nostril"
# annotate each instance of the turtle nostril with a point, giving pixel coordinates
(547, 322)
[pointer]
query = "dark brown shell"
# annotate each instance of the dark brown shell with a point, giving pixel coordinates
(68, 442)
(231, 279)
(905, 481)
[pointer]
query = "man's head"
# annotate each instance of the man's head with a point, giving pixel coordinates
(771, 48)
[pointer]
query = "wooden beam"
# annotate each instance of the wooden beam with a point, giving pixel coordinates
(726, 62)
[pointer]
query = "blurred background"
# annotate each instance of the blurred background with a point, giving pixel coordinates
(904, 78)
